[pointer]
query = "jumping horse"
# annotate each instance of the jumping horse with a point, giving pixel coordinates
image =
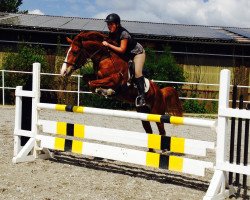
(111, 77)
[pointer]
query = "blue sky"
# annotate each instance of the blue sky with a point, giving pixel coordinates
(200, 12)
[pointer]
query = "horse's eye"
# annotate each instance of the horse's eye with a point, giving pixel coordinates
(74, 53)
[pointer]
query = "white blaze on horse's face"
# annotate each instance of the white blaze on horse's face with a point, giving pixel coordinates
(66, 67)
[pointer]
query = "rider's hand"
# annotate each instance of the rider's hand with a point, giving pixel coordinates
(106, 44)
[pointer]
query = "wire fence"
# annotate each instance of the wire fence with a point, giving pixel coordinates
(78, 91)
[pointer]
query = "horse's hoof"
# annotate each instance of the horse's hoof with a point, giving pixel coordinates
(110, 92)
(98, 91)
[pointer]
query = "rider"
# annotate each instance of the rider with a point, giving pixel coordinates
(131, 48)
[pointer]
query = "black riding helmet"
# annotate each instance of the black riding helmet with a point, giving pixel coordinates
(113, 18)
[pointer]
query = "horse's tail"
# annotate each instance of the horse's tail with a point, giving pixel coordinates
(172, 101)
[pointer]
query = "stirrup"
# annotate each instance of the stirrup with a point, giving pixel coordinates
(140, 101)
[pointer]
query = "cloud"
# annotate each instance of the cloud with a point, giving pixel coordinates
(36, 12)
(198, 12)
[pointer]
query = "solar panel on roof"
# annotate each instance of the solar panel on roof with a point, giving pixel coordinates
(75, 23)
(36, 21)
(177, 30)
(54, 22)
(240, 31)
(195, 31)
(131, 26)
(93, 24)
(143, 28)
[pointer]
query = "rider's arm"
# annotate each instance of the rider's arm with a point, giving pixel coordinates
(121, 49)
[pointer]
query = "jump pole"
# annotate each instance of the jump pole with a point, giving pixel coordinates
(130, 115)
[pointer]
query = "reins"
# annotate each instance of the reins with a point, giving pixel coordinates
(86, 53)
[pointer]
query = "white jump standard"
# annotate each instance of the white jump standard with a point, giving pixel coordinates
(65, 136)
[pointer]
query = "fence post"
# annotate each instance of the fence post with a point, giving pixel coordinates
(246, 143)
(217, 188)
(35, 100)
(232, 137)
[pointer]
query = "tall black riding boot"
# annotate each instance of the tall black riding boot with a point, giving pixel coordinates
(140, 99)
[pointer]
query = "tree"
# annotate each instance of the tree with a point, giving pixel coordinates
(10, 6)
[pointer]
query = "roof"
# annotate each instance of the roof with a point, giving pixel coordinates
(140, 29)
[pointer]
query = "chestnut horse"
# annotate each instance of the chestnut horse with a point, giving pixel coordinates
(111, 77)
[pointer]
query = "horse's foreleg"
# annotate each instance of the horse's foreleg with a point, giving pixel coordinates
(158, 108)
(146, 124)
(147, 127)
(161, 128)
(112, 81)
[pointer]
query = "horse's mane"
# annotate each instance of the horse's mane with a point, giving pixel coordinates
(93, 36)
(97, 39)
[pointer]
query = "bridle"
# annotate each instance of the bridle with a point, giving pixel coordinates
(88, 57)
(85, 54)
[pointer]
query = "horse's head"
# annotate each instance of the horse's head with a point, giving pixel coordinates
(85, 46)
(75, 57)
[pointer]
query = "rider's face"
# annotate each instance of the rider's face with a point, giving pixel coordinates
(112, 27)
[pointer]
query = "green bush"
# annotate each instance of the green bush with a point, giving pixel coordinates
(163, 67)
(193, 106)
(23, 61)
(214, 108)
(97, 101)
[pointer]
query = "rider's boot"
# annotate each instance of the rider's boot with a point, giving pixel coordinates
(140, 99)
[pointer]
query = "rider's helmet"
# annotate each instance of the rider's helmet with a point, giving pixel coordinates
(113, 18)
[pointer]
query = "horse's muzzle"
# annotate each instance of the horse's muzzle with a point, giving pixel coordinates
(66, 70)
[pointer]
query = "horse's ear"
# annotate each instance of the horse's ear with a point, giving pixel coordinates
(69, 40)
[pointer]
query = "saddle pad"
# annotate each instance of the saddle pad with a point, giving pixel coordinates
(147, 84)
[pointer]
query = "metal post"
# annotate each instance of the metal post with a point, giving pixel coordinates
(3, 93)
(78, 90)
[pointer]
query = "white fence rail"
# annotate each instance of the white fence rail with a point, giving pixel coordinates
(78, 91)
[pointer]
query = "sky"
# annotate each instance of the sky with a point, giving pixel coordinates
(193, 12)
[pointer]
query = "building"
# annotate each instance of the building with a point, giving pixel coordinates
(201, 50)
